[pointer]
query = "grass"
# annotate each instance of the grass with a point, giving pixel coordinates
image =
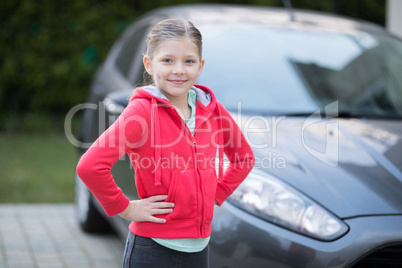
(36, 168)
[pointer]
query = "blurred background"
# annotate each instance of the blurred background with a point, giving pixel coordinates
(49, 53)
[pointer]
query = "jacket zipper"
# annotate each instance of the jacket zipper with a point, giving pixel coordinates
(196, 171)
(200, 184)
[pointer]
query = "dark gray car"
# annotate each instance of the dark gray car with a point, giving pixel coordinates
(320, 100)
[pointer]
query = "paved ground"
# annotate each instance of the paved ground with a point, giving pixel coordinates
(47, 235)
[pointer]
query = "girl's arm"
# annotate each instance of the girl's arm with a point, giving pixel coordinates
(239, 154)
(94, 167)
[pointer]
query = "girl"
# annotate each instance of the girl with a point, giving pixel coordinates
(172, 131)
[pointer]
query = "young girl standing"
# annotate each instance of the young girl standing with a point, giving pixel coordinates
(173, 131)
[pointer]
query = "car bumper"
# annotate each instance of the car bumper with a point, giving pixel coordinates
(241, 240)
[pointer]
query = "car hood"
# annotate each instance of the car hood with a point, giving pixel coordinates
(350, 166)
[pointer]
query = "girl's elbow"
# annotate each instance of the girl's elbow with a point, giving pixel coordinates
(85, 169)
(88, 170)
(81, 170)
(250, 162)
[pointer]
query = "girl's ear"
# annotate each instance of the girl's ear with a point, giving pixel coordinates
(147, 64)
(201, 66)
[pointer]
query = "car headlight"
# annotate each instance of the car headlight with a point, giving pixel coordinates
(271, 199)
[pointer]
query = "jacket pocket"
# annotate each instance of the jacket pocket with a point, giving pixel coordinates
(173, 185)
(183, 193)
(209, 189)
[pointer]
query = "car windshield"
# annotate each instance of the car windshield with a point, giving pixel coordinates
(273, 70)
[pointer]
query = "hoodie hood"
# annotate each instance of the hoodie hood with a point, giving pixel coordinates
(204, 97)
(206, 102)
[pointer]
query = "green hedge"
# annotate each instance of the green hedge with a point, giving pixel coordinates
(50, 50)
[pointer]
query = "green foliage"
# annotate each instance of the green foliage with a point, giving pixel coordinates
(369, 10)
(50, 50)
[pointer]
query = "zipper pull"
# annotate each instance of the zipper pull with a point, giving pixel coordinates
(194, 142)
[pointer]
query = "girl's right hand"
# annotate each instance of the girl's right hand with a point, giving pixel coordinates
(145, 209)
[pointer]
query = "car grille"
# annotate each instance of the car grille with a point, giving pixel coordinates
(389, 257)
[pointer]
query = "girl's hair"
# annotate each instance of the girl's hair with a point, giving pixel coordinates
(171, 29)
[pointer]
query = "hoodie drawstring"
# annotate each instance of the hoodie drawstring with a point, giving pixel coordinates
(157, 139)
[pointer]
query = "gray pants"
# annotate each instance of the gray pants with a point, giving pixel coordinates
(143, 252)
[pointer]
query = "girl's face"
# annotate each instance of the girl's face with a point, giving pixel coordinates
(175, 66)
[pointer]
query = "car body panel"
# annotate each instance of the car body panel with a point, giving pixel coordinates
(367, 150)
(241, 240)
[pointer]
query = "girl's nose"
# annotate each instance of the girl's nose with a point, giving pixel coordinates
(178, 69)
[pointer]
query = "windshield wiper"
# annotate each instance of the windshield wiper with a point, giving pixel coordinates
(339, 114)
(320, 113)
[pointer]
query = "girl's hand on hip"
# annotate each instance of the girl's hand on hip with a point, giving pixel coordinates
(145, 209)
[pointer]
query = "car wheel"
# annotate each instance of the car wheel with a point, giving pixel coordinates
(88, 216)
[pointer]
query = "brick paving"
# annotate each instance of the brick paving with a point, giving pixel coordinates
(47, 235)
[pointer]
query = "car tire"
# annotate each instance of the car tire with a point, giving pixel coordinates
(89, 218)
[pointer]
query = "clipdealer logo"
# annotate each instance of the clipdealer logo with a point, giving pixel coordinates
(311, 139)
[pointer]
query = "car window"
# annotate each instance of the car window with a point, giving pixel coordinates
(129, 50)
(299, 70)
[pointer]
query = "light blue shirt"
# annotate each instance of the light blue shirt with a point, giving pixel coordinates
(186, 244)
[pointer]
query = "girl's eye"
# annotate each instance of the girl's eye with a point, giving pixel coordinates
(167, 60)
(190, 61)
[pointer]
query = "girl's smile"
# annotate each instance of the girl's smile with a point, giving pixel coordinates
(178, 82)
(175, 66)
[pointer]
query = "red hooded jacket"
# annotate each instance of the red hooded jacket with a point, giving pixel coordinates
(168, 160)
